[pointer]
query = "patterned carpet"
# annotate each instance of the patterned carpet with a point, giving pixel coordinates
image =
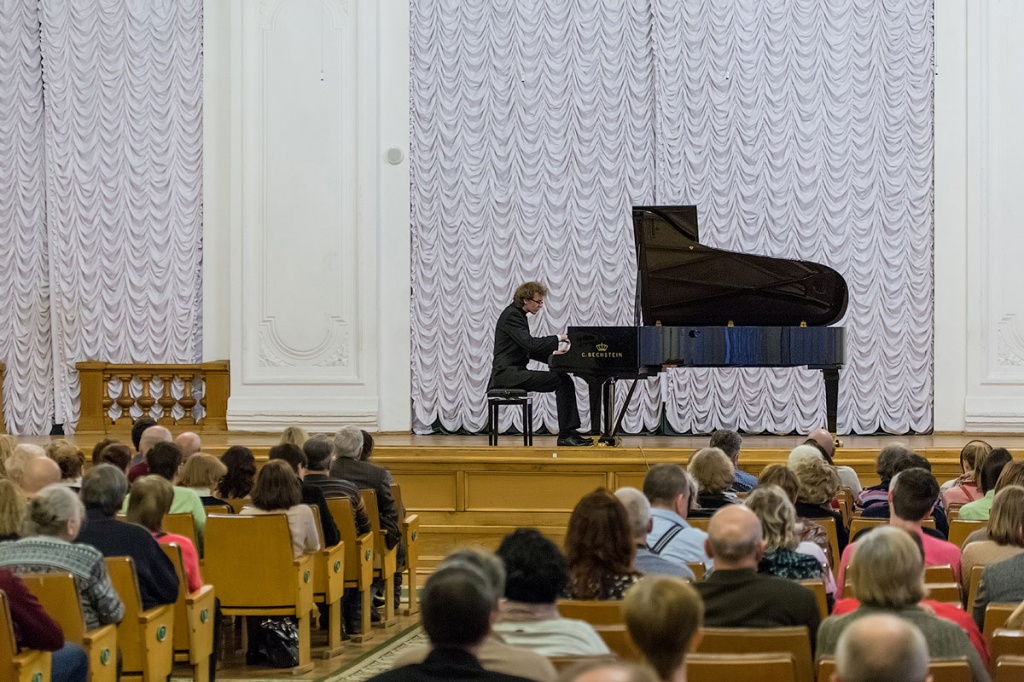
(379, 660)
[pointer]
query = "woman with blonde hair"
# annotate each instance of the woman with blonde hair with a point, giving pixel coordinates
(203, 473)
(665, 617)
(12, 510)
(71, 461)
(819, 484)
(296, 435)
(964, 488)
(714, 473)
(1005, 533)
(808, 529)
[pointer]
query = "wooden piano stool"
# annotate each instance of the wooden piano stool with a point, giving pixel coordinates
(496, 397)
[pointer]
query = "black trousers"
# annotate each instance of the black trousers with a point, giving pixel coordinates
(546, 382)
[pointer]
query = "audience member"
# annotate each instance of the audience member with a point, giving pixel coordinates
(35, 629)
(12, 510)
(664, 617)
(808, 530)
(103, 491)
(19, 458)
(138, 428)
(964, 488)
(825, 443)
(730, 442)
(70, 459)
(151, 499)
(238, 481)
(714, 474)
(319, 451)
(818, 485)
(164, 459)
(202, 473)
(979, 510)
(116, 454)
(888, 577)
(38, 473)
(1002, 582)
(311, 494)
(492, 653)
(536, 575)
(52, 522)
(190, 444)
(912, 495)
(279, 491)
(1005, 533)
(599, 548)
(294, 435)
(881, 510)
(881, 648)
(149, 439)
(100, 446)
(735, 594)
(671, 491)
(638, 511)
(885, 468)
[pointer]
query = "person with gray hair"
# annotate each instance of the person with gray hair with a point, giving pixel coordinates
(735, 594)
(638, 509)
(52, 522)
(671, 491)
(729, 442)
(493, 654)
(881, 648)
(319, 451)
(104, 488)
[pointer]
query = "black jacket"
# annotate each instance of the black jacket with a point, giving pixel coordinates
(312, 495)
(373, 477)
(514, 347)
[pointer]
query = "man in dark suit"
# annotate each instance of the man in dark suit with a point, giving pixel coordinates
(514, 348)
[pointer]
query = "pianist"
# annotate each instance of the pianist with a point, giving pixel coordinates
(514, 347)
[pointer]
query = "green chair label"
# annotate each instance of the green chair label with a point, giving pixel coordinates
(204, 615)
(161, 633)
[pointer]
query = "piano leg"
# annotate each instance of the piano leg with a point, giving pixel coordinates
(608, 409)
(595, 387)
(831, 377)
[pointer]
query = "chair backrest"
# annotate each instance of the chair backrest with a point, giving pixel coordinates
(248, 573)
(617, 639)
(773, 667)
(845, 499)
(345, 519)
(948, 593)
(1009, 669)
(181, 524)
(817, 586)
(565, 662)
(218, 509)
(953, 510)
(972, 586)
(58, 594)
(8, 647)
(605, 612)
(860, 523)
(237, 503)
(173, 553)
(698, 570)
(995, 617)
(956, 670)
(939, 574)
(130, 632)
(396, 493)
(1006, 643)
(792, 640)
(829, 524)
(699, 522)
(959, 529)
(380, 547)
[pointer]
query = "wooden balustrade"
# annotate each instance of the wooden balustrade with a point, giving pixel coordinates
(96, 400)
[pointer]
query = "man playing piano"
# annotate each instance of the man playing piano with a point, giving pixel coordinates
(514, 347)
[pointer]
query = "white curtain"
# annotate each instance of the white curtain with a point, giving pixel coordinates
(124, 183)
(24, 279)
(800, 129)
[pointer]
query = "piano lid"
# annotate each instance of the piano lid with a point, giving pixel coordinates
(682, 282)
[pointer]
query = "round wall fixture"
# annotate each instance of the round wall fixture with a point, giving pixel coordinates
(393, 155)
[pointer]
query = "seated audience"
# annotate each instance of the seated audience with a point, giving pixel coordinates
(671, 492)
(599, 548)
(881, 510)
(115, 454)
(638, 510)
(164, 459)
(319, 451)
(202, 473)
(12, 510)
(139, 427)
(311, 494)
(190, 444)
(881, 648)
(808, 530)
(238, 481)
(979, 510)
(150, 437)
(912, 496)
(735, 594)
(279, 491)
(825, 443)
(151, 499)
(70, 459)
(729, 442)
(1005, 534)
(52, 522)
(103, 492)
(819, 484)
(366, 452)
(535, 577)
(964, 488)
(884, 463)
(1002, 583)
(492, 653)
(664, 617)
(714, 475)
(888, 576)
(784, 555)
(35, 629)
(294, 435)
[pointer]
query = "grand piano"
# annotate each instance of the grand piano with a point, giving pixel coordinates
(698, 306)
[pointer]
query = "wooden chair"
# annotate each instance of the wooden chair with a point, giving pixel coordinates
(597, 612)
(15, 666)
(616, 638)
(829, 524)
(565, 662)
(193, 619)
(385, 561)
(1003, 644)
(793, 640)
(860, 523)
(1009, 669)
(146, 637)
(939, 574)
(773, 667)
(817, 586)
(238, 502)
(699, 522)
(995, 618)
(959, 529)
(410, 526)
(948, 593)
(59, 596)
(956, 670)
(974, 581)
(953, 510)
(218, 509)
(698, 570)
(358, 570)
(260, 578)
(846, 499)
(329, 586)
(184, 525)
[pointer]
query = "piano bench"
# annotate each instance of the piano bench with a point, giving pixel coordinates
(496, 397)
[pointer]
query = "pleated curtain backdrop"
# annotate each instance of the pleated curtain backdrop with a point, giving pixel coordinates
(113, 122)
(800, 129)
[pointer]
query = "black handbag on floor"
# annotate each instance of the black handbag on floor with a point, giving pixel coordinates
(280, 642)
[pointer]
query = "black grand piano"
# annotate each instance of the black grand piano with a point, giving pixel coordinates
(703, 307)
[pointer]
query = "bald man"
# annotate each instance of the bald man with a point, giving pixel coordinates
(735, 594)
(881, 648)
(189, 443)
(150, 437)
(38, 473)
(19, 459)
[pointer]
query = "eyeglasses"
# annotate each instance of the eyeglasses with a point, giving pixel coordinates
(540, 302)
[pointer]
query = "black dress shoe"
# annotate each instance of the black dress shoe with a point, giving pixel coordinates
(574, 440)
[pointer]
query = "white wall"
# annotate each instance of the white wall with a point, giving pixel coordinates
(307, 223)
